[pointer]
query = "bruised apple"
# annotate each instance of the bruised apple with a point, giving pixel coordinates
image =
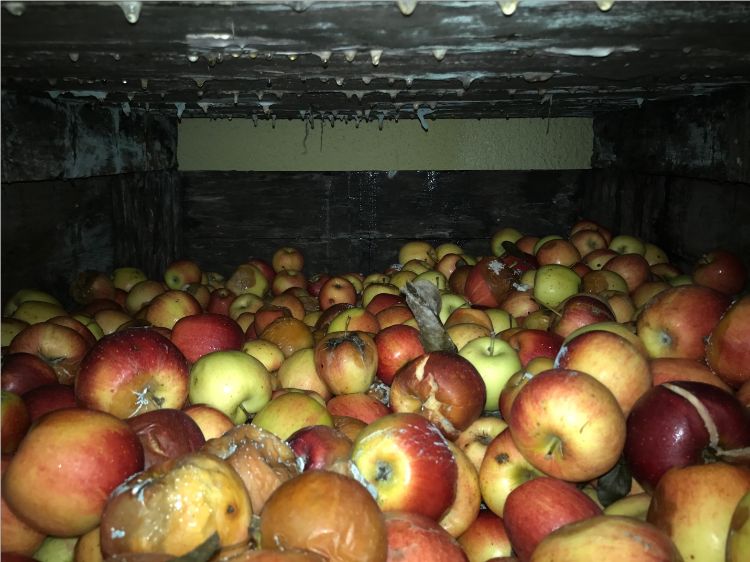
(165, 434)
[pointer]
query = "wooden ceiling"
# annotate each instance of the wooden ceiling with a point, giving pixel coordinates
(374, 60)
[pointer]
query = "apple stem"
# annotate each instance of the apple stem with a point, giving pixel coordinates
(713, 433)
(492, 344)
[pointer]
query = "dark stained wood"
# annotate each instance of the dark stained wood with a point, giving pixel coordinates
(358, 221)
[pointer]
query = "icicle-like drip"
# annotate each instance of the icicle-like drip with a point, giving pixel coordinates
(204, 105)
(375, 55)
(439, 54)
(132, 11)
(292, 57)
(366, 80)
(381, 118)
(407, 7)
(422, 112)
(116, 56)
(508, 7)
(349, 55)
(180, 107)
(324, 56)
(199, 82)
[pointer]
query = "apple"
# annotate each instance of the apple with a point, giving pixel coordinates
(627, 244)
(247, 278)
(266, 352)
(166, 434)
(602, 536)
(597, 259)
(486, 538)
(682, 423)
(78, 326)
(417, 250)
(665, 271)
(23, 371)
(504, 234)
(49, 397)
(231, 381)
(519, 303)
(396, 345)
(632, 267)
(10, 327)
(475, 439)
(465, 508)
(298, 371)
(321, 447)
(398, 456)
(611, 360)
(287, 279)
(126, 277)
(694, 506)
(444, 387)
(141, 294)
(578, 310)
(212, 422)
(624, 330)
(220, 301)
(15, 421)
(503, 469)
(175, 506)
(495, 361)
(90, 285)
(18, 536)
(181, 273)
(587, 240)
(721, 270)
(60, 347)
(675, 322)
(33, 312)
(553, 283)
(669, 369)
(109, 320)
(488, 282)
(465, 314)
(168, 307)
(397, 314)
(461, 334)
(354, 528)
(373, 289)
(335, 290)
(201, 292)
(56, 549)
(526, 243)
(632, 505)
(246, 302)
(287, 258)
(558, 251)
(88, 547)
(115, 379)
(568, 425)
(738, 540)
(357, 405)
(457, 280)
(292, 410)
(446, 265)
(540, 506)
(315, 283)
(294, 302)
(728, 346)
(354, 319)
(449, 303)
(530, 343)
(648, 290)
(92, 453)
(289, 334)
(205, 332)
(27, 294)
(346, 361)
(267, 313)
(414, 538)
(597, 281)
(383, 301)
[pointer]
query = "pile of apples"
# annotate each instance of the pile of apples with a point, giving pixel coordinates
(567, 398)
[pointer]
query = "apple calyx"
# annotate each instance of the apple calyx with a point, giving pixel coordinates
(144, 399)
(713, 452)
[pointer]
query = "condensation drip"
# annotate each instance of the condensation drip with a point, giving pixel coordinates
(421, 113)
(605, 5)
(375, 55)
(73, 57)
(204, 105)
(180, 106)
(126, 108)
(324, 56)
(15, 8)
(407, 7)
(439, 54)
(508, 7)
(144, 83)
(132, 11)
(192, 57)
(349, 55)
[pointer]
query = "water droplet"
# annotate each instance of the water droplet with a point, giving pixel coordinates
(116, 56)
(421, 113)
(15, 8)
(605, 5)
(301, 5)
(144, 83)
(324, 56)
(252, 54)
(439, 54)
(293, 57)
(537, 76)
(407, 7)
(639, 101)
(339, 81)
(236, 97)
(192, 57)
(126, 108)
(508, 7)
(375, 55)
(687, 50)
(204, 105)
(409, 81)
(199, 82)
(180, 106)
(366, 79)
(54, 94)
(73, 57)
(381, 118)
(132, 11)
(131, 95)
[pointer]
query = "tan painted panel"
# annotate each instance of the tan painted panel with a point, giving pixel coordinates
(489, 144)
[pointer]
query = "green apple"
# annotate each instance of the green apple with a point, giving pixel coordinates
(447, 248)
(626, 244)
(33, 311)
(56, 549)
(496, 361)
(231, 381)
(450, 302)
(290, 411)
(505, 234)
(26, 294)
(544, 239)
(181, 273)
(91, 324)
(9, 327)
(553, 283)
(634, 505)
(125, 277)
(654, 254)
(683, 279)
(501, 319)
(246, 302)
(738, 541)
(434, 277)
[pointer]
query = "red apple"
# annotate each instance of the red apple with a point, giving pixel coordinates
(15, 420)
(579, 310)
(92, 453)
(49, 397)
(315, 283)
(167, 308)
(587, 240)
(568, 425)
(399, 456)
(286, 279)
(18, 537)
(205, 332)
(321, 447)
(264, 267)
(61, 347)
(382, 301)
(444, 387)
(346, 361)
(676, 321)
(588, 224)
(248, 279)
(24, 371)
(89, 285)
(357, 405)
(133, 371)
(396, 314)
(354, 319)
(166, 434)
(531, 343)
(680, 424)
(633, 268)
(475, 439)
(220, 301)
(486, 538)
(415, 538)
(728, 344)
(557, 251)
(211, 421)
(335, 290)
(181, 273)
(292, 302)
(721, 270)
(669, 369)
(77, 325)
(396, 345)
(488, 282)
(538, 507)
(519, 303)
(597, 259)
